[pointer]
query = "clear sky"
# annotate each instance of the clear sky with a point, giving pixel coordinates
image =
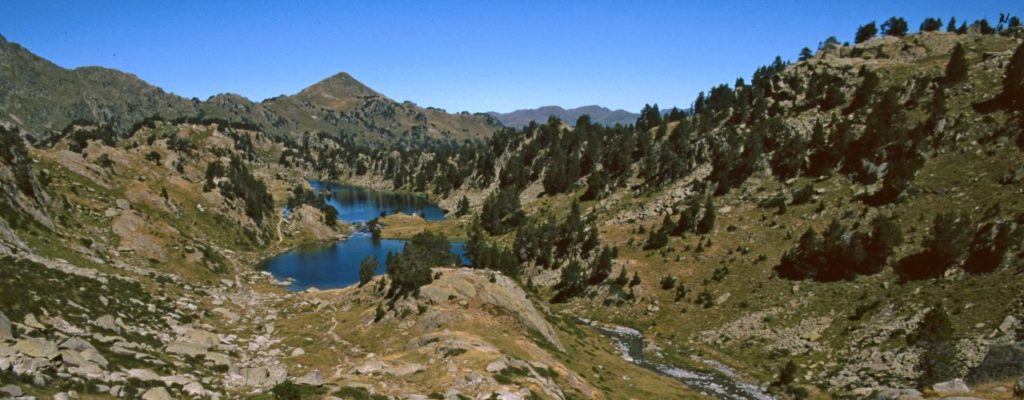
(459, 55)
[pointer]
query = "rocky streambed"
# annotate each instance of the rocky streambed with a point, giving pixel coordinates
(719, 381)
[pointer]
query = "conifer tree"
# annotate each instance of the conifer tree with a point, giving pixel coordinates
(865, 32)
(956, 68)
(707, 221)
(951, 27)
(895, 26)
(366, 269)
(805, 54)
(931, 25)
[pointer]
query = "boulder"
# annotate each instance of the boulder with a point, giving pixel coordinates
(106, 322)
(5, 328)
(313, 378)
(29, 365)
(185, 348)
(496, 366)
(259, 376)
(405, 370)
(72, 357)
(11, 390)
(218, 358)
(38, 348)
(1018, 388)
(1003, 361)
(370, 367)
(953, 386)
(896, 394)
(32, 322)
(298, 351)
(157, 393)
(77, 344)
(143, 374)
(194, 389)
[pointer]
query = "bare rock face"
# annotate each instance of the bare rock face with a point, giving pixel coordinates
(157, 393)
(38, 348)
(465, 284)
(953, 386)
(5, 328)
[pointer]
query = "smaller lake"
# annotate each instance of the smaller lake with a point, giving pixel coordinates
(337, 265)
(357, 204)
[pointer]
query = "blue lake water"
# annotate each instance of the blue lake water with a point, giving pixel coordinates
(357, 204)
(337, 265)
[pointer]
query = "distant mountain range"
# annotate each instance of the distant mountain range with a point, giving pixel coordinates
(43, 98)
(598, 114)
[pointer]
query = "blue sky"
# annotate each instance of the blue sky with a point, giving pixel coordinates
(458, 55)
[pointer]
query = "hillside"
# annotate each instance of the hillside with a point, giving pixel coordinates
(43, 99)
(598, 115)
(850, 225)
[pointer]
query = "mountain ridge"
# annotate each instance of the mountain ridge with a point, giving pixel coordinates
(44, 98)
(598, 114)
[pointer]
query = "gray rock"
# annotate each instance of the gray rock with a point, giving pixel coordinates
(5, 328)
(185, 348)
(72, 357)
(370, 367)
(194, 389)
(143, 374)
(953, 386)
(1018, 388)
(61, 396)
(1003, 361)
(298, 351)
(77, 344)
(405, 370)
(218, 358)
(107, 322)
(11, 390)
(313, 378)
(896, 394)
(32, 322)
(38, 348)
(157, 393)
(259, 376)
(496, 366)
(29, 365)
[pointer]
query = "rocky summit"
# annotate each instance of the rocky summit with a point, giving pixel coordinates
(848, 225)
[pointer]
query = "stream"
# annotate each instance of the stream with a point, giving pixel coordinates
(722, 383)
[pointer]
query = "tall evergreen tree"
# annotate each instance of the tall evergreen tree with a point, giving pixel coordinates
(865, 32)
(707, 221)
(805, 54)
(956, 68)
(895, 26)
(931, 25)
(951, 27)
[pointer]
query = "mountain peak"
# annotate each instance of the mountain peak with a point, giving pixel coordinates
(339, 87)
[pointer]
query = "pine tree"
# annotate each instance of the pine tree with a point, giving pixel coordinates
(463, 207)
(956, 68)
(865, 32)
(1013, 81)
(931, 25)
(805, 54)
(895, 26)
(707, 222)
(935, 333)
(366, 269)
(951, 27)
